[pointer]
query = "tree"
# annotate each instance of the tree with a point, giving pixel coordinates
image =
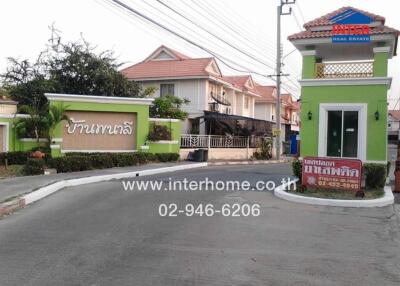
(54, 117)
(168, 106)
(72, 67)
(32, 126)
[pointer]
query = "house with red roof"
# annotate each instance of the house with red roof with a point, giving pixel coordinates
(211, 94)
(265, 109)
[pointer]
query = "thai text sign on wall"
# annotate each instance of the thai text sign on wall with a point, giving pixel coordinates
(100, 131)
(344, 174)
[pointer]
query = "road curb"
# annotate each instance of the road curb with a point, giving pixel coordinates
(11, 206)
(38, 194)
(258, 162)
(386, 200)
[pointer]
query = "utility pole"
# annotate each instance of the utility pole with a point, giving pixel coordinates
(278, 72)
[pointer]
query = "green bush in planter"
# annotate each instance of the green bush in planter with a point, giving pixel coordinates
(375, 175)
(159, 132)
(297, 168)
(33, 167)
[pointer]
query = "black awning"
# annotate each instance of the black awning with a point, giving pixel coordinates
(222, 124)
(217, 115)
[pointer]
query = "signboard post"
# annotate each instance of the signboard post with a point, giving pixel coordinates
(328, 173)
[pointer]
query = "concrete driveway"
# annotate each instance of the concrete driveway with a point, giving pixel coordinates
(101, 235)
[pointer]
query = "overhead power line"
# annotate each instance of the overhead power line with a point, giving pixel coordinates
(227, 26)
(300, 11)
(216, 36)
(221, 58)
(227, 62)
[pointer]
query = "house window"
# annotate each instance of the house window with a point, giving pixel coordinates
(167, 89)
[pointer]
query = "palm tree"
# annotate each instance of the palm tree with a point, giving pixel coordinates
(35, 121)
(54, 117)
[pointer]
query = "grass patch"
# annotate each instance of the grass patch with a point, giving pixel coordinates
(11, 171)
(337, 194)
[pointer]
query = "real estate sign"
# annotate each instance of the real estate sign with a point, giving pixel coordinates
(331, 173)
(350, 26)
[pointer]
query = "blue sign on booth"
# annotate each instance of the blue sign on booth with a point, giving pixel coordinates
(351, 27)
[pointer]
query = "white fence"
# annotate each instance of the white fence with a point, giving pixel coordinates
(217, 141)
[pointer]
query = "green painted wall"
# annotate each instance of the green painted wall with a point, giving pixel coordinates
(142, 128)
(380, 64)
(373, 95)
(175, 128)
(308, 67)
(11, 133)
(14, 143)
(142, 113)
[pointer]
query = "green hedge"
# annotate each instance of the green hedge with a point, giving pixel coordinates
(375, 175)
(14, 158)
(297, 168)
(33, 167)
(82, 162)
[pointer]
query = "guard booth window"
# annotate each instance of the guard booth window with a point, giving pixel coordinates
(342, 139)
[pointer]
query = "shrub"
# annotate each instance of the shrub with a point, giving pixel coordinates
(102, 161)
(14, 158)
(266, 150)
(297, 168)
(74, 162)
(71, 164)
(33, 167)
(167, 157)
(159, 132)
(375, 175)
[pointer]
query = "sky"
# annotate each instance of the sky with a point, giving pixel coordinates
(247, 25)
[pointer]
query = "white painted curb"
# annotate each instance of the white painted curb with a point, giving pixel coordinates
(248, 162)
(52, 188)
(386, 200)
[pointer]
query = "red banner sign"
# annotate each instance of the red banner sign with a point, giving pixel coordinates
(344, 174)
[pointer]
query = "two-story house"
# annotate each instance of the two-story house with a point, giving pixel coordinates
(265, 109)
(213, 96)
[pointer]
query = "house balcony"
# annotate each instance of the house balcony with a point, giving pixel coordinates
(344, 70)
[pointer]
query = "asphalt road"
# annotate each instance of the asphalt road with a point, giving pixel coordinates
(99, 234)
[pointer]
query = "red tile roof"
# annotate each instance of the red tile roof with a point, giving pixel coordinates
(168, 68)
(239, 81)
(326, 34)
(324, 20)
(266, 92)
(395, 114)
(236, 81)
(183, 66)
